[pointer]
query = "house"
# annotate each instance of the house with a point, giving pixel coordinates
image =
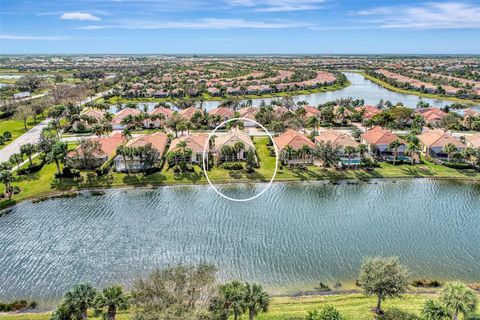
(248, 113)
(214, 92)
(289, 145)
(160, 94)
(108, 146)
(230, 139)
(471, 112)
(122, 114)
(368, 111)
(434, 141)
(432, 116)
(224, 113)
(153, 121)
(188, 113)
(157, 140)
(21, 95)
(341, 140)
(96, 114)
(378, 140)
(473, 141)
(311, 111)
(196, 142)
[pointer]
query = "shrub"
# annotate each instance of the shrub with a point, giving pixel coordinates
(68, 172)
(322, 287)
(325, 313)
(397, 314)
(426, 283)
(17, 305)
(30, 169)
(232, 166)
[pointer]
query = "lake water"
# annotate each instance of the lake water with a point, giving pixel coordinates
(292, 237)
(360, 88)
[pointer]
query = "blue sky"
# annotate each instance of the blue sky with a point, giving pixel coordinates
(240, 26)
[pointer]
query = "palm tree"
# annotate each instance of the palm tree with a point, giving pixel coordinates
(233, 297)
(305, 151)
(313, 122)
(413, 149)
(394, 145)
(58, 154)
(237, 147)
(433, 310)
(16, 158)
(350, 151)
(126, 134)
(6, 178)
(113, 298)
(80, 298)
(289, 151)
(362, 150)
(449, 149)
(256, 299)
(458, 298)
(28, 149)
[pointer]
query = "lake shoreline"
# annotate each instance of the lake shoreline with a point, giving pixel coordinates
(327, 181)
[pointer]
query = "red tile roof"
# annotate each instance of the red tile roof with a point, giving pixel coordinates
(293, 139)
(158, 140)
(379, 136)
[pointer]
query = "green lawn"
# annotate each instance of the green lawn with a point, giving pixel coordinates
(43, 183)
(16, 128)
(352, 306)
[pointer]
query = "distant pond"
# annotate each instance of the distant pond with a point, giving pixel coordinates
(289, 239)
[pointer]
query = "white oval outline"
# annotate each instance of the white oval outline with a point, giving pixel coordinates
(207, 144)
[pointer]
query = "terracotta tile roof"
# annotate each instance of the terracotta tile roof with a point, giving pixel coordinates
(108, 145)
(188, 113)
(311, 111)
(248, 111)
(196, 142)
(95, 113)
(222, 111)
(432, 114)
(471, 112)
(293, 139)
(474, 140)
(119, 116)
(369, 111)
(158, 140)
(167, 112)
(338, 138)
(439, 139)
(233, 136)
(379, 136)
(280, 110)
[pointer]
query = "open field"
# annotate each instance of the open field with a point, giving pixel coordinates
(43, 183)
(416, 93)
(353, 306)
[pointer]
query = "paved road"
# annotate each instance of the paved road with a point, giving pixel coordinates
(33, 135)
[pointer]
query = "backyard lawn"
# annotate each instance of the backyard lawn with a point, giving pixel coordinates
(16, 128)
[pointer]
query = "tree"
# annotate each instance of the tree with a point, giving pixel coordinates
(362, 150)
(256, 299)
(28, 149)
(79, 299)
(350, 151)
(23, 112)
(174, 121)
(433, 310)
(237, 147)
(458, 299)
(328, 153)
(58, 154)
(113, 298)
(230, 300)
(413, 149)
(6, 178)
(178, 292)
(16, 158)
(395, 145)
(87, 151)
(383, 277)
(325, 313)
(7, 135)
(126, 134)
(449, 149)
(251, 161)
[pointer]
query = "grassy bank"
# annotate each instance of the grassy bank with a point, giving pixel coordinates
(207, 97)
(43, 183)
(416, 93)
(353, 306)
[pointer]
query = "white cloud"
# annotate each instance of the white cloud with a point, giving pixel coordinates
(447, 15)
(208, 23)
(29, 37)
(80, 16)
(278, 5)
